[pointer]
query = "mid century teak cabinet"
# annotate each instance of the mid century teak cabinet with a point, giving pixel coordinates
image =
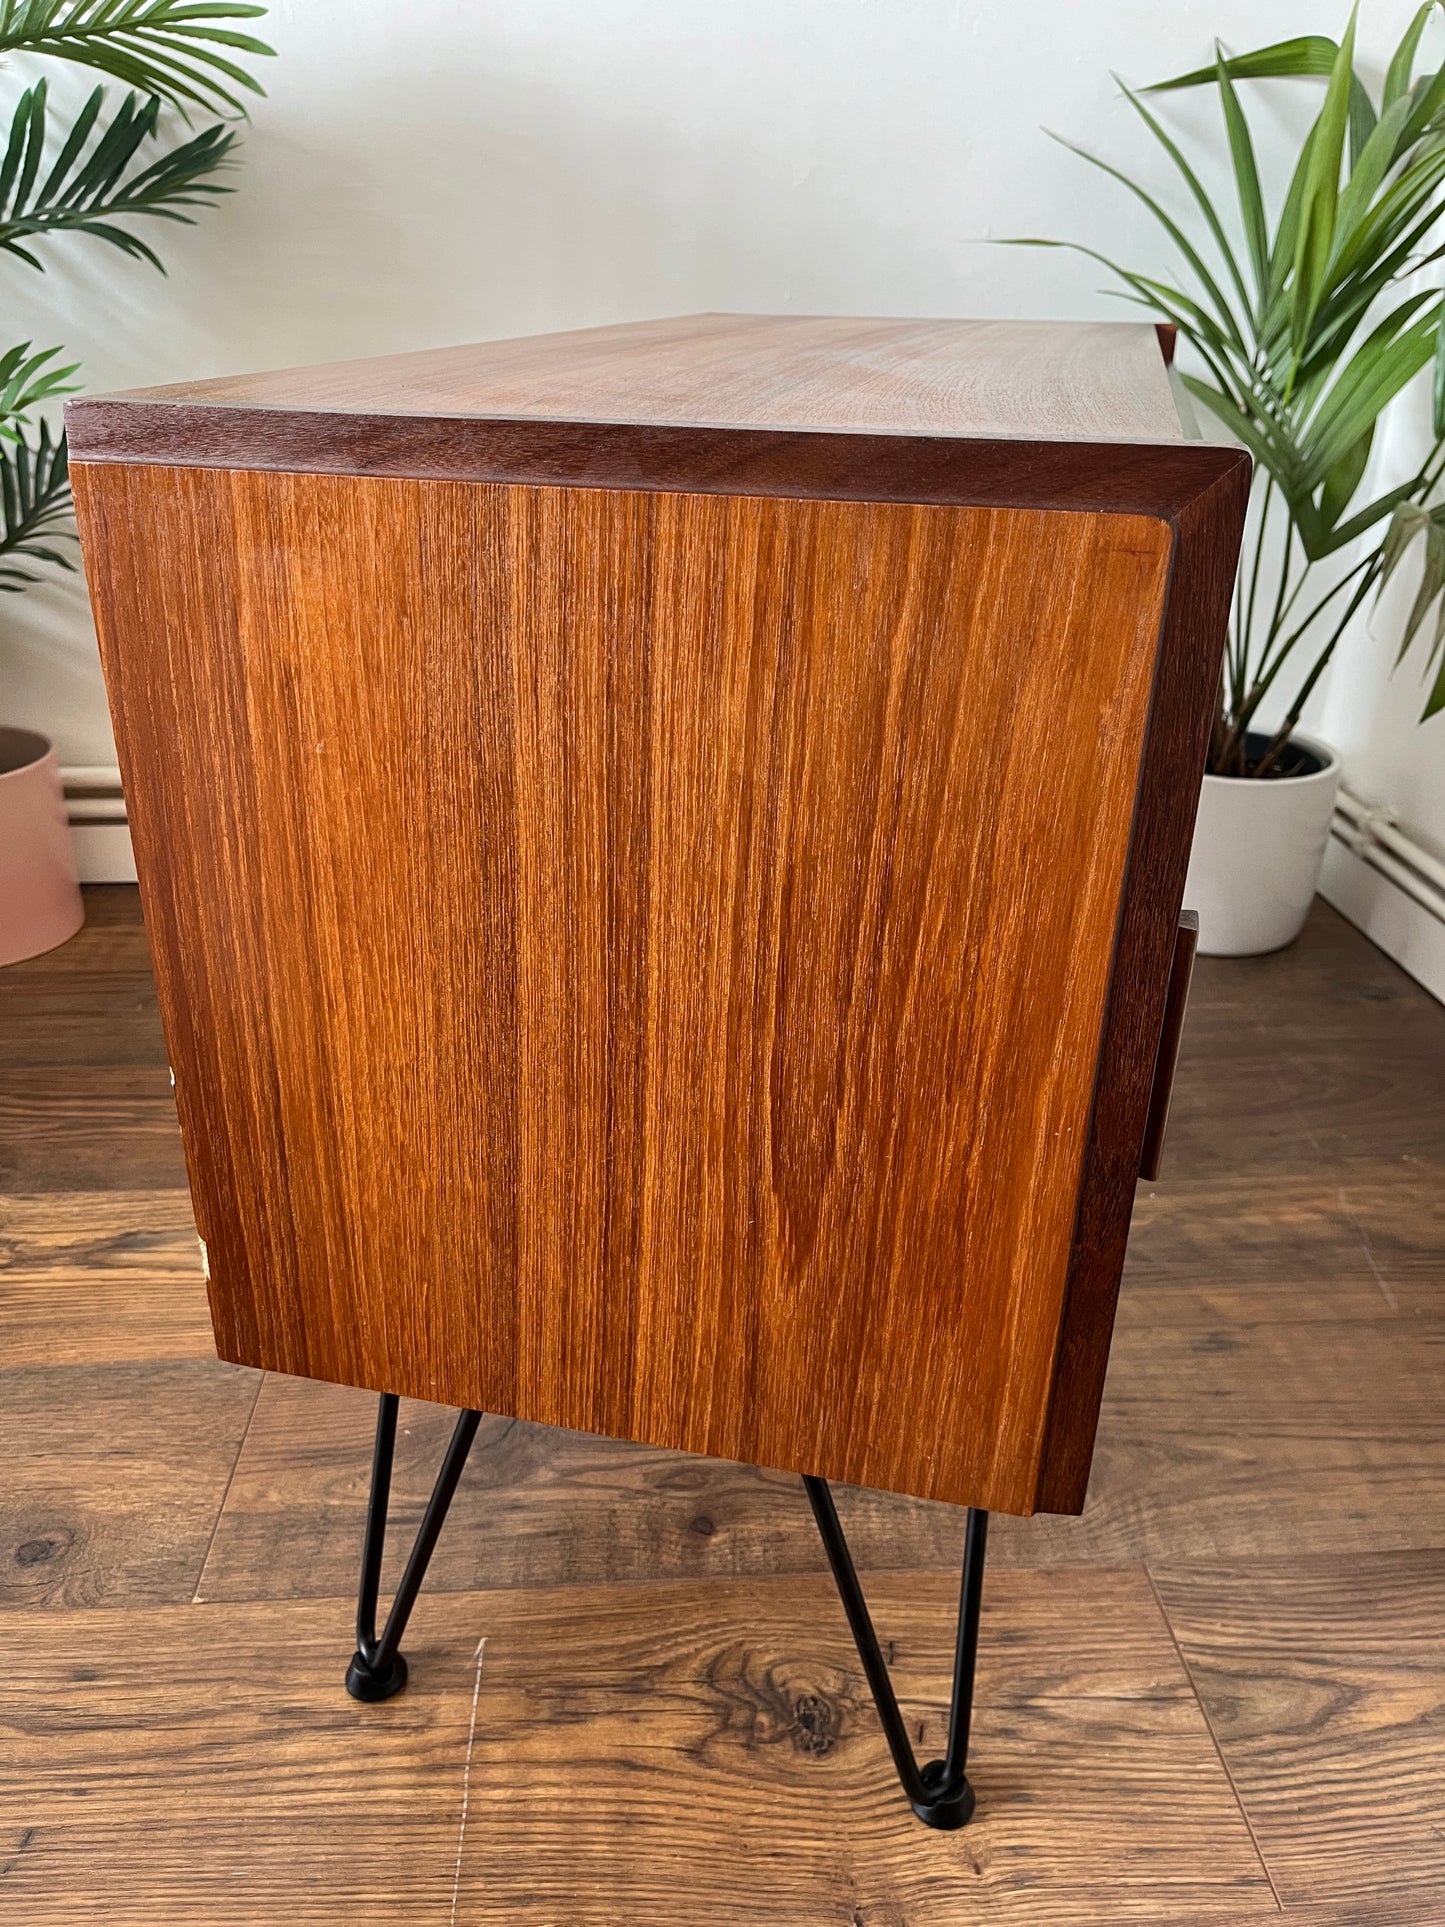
(663, 848)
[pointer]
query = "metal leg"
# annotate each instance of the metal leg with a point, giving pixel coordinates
(377, 1669)
(939, 1793)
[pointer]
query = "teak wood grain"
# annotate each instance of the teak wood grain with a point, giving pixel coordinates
(680, 964)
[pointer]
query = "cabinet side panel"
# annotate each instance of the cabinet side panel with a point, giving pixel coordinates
(324, 839)
(636, 961)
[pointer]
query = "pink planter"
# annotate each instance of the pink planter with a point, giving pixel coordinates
(40, 901)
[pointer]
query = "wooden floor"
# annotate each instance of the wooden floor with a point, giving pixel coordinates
(1219, 1696)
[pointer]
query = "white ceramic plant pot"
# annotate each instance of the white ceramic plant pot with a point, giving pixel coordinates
(1258, 848)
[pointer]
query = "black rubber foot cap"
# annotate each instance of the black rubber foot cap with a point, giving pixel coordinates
(945, 1816)
(363, 1684)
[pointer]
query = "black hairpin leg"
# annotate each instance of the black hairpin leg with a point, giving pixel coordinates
(939, 1793)
(377, 1669)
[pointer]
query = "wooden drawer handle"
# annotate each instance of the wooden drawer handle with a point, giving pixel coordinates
(1186, 941)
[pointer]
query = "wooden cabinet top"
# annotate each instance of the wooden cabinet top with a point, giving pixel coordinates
(773, 403)
(1030, 380)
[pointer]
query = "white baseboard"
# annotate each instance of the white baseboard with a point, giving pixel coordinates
(102, 852)
(98, 829)
(1405, 927)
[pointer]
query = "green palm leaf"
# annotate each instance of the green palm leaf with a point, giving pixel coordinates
(28, 379)
(1344, 478)
(1410, 193)
(1392, 355)
(1402, 62)
(1428, 96)
(1209, 340)
(1246, 175)
(169, 48)
(1415, 527)
(1308, 54)
(34, 508)
(1368, 172)
(1257, 435)
(1375, 512)
(1192, 182)
(105, 171)
(94, 183)
(1321, 192)
(1224, 315)
(1311, 55)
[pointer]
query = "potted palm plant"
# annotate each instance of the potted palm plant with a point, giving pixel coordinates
(100, 173)
(1304, 320)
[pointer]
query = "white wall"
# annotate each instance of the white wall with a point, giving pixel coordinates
(458, 169)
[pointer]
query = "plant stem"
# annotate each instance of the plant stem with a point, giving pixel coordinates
(1271, 668)
(1239, 667)
(1244, 705)
(1282, 734)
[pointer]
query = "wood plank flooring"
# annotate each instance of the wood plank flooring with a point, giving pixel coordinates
(1218, 1697)
(1324, 1684)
